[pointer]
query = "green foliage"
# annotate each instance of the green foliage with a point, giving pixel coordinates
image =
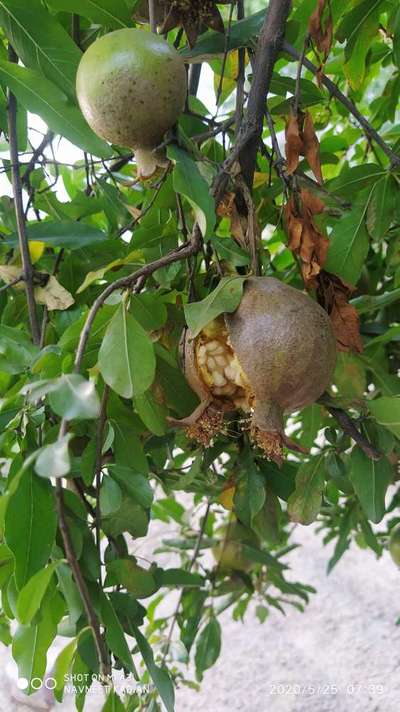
(89, 440)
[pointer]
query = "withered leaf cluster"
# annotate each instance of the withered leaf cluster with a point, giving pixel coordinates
(305, 237)
(301, 140)
(320, 27)
(333, 295)
(193, 15)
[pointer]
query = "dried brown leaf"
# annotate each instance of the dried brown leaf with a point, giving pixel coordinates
(305, 238)
(294, 143)
(321, 31)
(311, 147)
(333, 295)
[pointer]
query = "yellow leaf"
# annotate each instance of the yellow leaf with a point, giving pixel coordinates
(259, 179)
(226, 498)
(99, 273)
(36, 250)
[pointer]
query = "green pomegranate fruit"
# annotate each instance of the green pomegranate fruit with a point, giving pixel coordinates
(229, 553)
(131, 87)
(275, 354)
(394, 545)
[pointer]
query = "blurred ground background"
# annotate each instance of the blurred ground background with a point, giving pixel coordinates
(347, 639)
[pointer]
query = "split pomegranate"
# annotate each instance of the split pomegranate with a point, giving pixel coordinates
(131, 87)
(275, 354)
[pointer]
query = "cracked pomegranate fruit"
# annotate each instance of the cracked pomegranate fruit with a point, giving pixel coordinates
(275, 354)
(131, 87)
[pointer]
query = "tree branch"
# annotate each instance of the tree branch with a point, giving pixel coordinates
(246, 147)
(269, 45)
(36, 155)
(348, 426)
(181, 253)
(334, 91)
(19, 210)
(93, 621)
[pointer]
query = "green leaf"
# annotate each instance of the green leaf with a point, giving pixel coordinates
(160, 676)
(305, 502)
(53, 460)
(61, 667)
(370, 480)
(110, 496)
(228, 250)
(225, 298)
(392, 334)
(126, 357)
(31, 643)
(114, 633)
(115, 14)
(249, 496)
(113, 703)
(41, 42)
(16, 350)
(364, 22)
(381, 206)
(152, 413)
(30, 525)
(208, 647)
(354, 179)
(150, 312)
(69, 235)
(31, 595)
(396, 40)
(40, 96)
(211, 44)
(130, 517)
(73, 397)
(188, 181)
(348, 246)
(368, 303)
(177, 577)
(386, 411)
(136, 484)
(137, 580)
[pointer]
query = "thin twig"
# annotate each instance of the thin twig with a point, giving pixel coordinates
(181, 253)
(93, 621)
(297, 92)
(148, 207)
(240, 76)
(99, 460)
(152, 16)
(19, 210)
(335, 91)
(349, 427)
(11, 284)
(226, 50)
(37, 153)
(192, 562)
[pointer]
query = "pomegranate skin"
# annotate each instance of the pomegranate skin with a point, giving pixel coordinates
(285, 344)
(131, 87)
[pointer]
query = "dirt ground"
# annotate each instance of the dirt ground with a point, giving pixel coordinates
(341, 655)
